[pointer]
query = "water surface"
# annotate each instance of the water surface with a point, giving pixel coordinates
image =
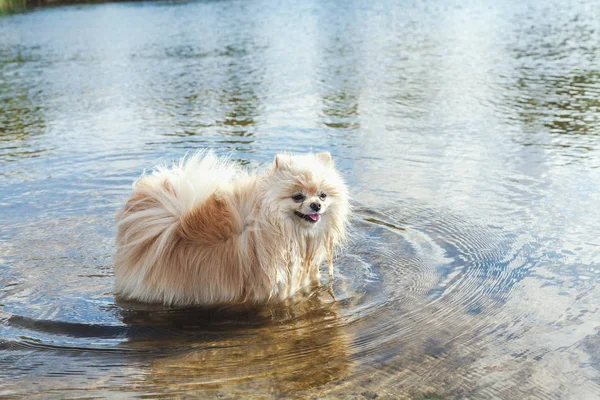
(469, 134)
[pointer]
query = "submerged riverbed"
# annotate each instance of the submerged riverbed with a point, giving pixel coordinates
(469, 134)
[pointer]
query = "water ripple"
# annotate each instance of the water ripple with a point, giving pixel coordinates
(468, 134)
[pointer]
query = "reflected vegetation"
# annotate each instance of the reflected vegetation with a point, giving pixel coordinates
(338, 75)
(564, 104)
(468, 134)
(21, 114)
(558, 84)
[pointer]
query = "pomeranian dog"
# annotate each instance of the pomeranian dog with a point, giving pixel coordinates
(205, 231)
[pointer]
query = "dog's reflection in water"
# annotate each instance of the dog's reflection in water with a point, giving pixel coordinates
(296, 345)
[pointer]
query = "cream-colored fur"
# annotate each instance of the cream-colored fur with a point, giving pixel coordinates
(204, 231)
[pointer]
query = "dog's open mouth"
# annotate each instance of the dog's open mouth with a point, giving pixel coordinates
(309, 217)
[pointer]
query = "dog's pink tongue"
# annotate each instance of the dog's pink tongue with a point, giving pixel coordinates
(315, 217)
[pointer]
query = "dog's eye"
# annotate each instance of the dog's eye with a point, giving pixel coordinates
(298, 197)
(323, 196)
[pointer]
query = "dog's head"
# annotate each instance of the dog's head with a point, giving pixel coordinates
(308, 191)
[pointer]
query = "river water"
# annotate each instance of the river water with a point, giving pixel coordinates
(469, 134)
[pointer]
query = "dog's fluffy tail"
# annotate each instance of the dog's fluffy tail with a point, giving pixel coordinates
(153, 216)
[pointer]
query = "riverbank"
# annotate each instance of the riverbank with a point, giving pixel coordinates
(7, 5)
(10, 4)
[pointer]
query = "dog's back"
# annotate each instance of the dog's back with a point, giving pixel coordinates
(178, 236)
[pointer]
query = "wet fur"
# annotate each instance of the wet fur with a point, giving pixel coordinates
(204, 231)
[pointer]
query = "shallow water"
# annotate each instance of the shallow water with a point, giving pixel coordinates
(469, 134)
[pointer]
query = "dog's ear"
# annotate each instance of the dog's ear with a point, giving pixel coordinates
(325, 158)
(282, 161)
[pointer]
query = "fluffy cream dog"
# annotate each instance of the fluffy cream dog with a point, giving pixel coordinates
(205, 231)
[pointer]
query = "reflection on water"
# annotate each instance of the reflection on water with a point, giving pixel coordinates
(468, 134)
(295, 348)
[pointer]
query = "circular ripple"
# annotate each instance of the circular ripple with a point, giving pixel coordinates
(402, 290)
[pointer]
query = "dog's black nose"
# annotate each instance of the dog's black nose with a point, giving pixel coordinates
(315, 206)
